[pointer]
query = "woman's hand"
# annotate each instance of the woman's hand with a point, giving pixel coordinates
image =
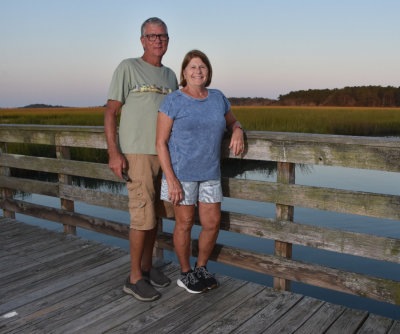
(237, 141)
(175, 193)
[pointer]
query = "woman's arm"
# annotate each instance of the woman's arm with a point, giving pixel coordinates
(237, 140)
(164, 126)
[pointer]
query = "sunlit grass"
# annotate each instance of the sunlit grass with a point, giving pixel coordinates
(53, 116)
(326, 120)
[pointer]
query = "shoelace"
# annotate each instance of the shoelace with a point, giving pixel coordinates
(190, 278)
(204, 272)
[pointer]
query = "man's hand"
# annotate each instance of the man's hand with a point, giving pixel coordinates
(117, 163)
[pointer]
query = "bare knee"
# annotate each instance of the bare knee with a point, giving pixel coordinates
(211, 225)
(184, 223)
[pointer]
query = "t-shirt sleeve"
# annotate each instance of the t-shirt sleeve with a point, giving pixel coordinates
(119, 87)
(227, 104)
(167, 106)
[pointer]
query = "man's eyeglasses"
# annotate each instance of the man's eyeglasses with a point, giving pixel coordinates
(153, 37)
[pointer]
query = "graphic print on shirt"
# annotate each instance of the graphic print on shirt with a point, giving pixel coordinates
(146, 88)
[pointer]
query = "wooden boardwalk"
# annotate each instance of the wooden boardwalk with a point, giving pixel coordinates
(56, 283)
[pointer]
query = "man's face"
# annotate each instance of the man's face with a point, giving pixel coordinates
(158, 47)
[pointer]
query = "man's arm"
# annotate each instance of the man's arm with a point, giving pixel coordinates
(116, 161)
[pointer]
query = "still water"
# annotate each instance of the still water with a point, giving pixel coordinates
(334, 177)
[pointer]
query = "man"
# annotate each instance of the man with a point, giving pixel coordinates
(137, 89)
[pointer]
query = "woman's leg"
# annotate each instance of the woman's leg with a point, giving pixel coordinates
(210, 216)
(184, 219)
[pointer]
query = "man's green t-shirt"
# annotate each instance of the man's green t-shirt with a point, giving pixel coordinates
(141, 88)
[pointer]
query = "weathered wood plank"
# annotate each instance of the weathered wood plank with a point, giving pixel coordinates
(99, 319)
(5, 192)
(273, 310)
(70, 167)
(131, 318)
(298, 315)
(25, 260)
(192, 308)
(375, 324)
(108, 200)
(285, 175)
(84, 136)
(395, 328)
(243, 312)
(339, 280)
(38, 313)
(64, 153)
(321, 319)
(89, 222)
(358, 244)
(346, 151)
(218, 309)
(60, 284)
(12, 287)
(90, 300)
(329, 150)
(30, 186)
(336, 200)
(348, 322)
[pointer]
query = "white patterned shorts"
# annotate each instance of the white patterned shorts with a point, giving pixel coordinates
(209, 191)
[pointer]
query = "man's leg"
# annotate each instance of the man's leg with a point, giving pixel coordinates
(137, 241)
(147, 257)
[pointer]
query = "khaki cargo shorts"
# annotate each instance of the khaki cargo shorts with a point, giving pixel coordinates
(145, 204)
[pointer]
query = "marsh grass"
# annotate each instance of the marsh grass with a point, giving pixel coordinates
(342, 121)
(53, 116)
(324, 120)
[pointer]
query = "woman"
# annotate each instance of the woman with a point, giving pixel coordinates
(190, 126)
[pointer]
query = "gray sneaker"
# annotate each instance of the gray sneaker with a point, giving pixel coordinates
(156, 278)
(141, 290)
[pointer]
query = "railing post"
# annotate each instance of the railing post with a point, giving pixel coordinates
(285, 175)
(158, 252)
(5, 192)
(63, 152)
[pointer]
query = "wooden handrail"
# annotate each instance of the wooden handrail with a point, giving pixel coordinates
(287, 149)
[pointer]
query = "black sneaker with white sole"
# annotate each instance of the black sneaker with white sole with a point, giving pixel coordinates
(141, 290)
(206, 277)
(191, 283)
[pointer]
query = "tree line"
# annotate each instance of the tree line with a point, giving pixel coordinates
(363, 96)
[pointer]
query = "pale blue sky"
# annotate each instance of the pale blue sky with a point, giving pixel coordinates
(65, 51)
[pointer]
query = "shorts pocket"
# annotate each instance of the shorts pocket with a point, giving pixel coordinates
(134, 189)
(137, 209)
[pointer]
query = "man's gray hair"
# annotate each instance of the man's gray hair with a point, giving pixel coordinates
(155, 21)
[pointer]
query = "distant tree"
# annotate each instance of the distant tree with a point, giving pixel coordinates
(363, 96)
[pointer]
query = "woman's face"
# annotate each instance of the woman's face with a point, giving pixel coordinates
(196, 73)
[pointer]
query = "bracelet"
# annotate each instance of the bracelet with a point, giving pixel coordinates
(237, 127)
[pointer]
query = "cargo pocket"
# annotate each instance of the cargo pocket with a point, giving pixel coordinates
(135, 190)
(137, 209)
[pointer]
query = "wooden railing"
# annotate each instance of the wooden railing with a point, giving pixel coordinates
(287, 149)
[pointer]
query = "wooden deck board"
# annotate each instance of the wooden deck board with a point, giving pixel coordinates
(53, 283)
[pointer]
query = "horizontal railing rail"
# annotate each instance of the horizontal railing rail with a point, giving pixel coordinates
(286, 149)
